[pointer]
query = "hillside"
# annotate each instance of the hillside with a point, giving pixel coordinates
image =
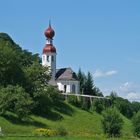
(23, 91)
(77, 122)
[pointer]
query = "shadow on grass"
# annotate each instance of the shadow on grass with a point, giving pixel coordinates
(55, 111)
(51, 115)
(15, 120)
(63, 108)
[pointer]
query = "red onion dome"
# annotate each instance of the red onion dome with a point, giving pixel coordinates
(49, 48)
(49, 33)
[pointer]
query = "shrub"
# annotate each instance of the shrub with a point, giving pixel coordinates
(136, 124)
(61, 131)
(74, 101)
(112, 122)
(98, 105)
(45, 132)
(16, 100)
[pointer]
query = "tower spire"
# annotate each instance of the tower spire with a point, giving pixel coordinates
(49, 23)
(49, 52)
(49, 32)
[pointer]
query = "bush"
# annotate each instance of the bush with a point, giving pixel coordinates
(45, 132)
(98, 105)
(16, 100)
(74, 100)
(112, 122)
(136, 124)
(61, 131)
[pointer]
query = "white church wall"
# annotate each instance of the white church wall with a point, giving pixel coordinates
(68, 84)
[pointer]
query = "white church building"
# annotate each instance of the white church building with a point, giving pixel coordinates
(64, 78)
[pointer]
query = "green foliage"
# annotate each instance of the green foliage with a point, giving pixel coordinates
(127, 108)
(123, 105)
(136, 124)
(82, 79)
(135, 106)
(54, 94)
(98, 105)
(74, 100)
(112, 122)
(20, 67)
(16, 100)
(61, 131)
(87, 87)
(46, 99)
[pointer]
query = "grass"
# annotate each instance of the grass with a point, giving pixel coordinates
(77, 123)
(64, 138)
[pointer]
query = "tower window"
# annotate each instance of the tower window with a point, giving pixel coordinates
(47, 58)
(52, 58)
(43, 58)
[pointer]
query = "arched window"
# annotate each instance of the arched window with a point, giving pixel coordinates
(73, 88)
(47, 58)
(52, 58)
(43, 58)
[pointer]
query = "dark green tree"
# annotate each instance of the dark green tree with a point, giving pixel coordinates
(16, 100)
(82, 79)
(135, 106)
(112, 122)
(89, 86)
(136, 124)
(97, 92)
(22, 68)
(88, 90)
(123, 105)
(98, 105)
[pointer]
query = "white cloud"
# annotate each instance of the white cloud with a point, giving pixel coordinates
(130, 91)
(128, 87)
(127, 90)
(133, 96)
(100, 73)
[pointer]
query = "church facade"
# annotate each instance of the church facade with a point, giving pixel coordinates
(64, 78)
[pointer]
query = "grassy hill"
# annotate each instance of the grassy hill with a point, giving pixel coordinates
(77, 122)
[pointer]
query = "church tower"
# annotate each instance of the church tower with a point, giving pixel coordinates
(49, 52)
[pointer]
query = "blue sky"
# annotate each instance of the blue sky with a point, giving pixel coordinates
(101, 36)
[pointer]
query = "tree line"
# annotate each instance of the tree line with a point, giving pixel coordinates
(111, 109)
(24, 85)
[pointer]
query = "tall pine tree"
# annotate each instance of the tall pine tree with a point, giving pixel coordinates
(82, 79)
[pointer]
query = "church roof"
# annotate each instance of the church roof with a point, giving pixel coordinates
(66, 74)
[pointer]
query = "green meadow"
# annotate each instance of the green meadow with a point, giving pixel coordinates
(79, 124)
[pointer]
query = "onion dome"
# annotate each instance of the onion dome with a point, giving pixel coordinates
(49, 32)
(49, 48)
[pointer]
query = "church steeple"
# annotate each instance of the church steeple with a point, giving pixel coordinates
(49, 33)
(49, 51)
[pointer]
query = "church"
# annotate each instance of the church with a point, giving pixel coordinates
(64, 78)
